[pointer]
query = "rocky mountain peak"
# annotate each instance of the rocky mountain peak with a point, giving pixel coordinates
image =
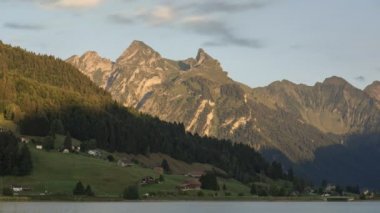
(203, 57)
(336, 81)
(373, 90)
(138, 51)
(92, 57)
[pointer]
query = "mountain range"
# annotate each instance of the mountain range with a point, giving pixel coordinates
(326, 131)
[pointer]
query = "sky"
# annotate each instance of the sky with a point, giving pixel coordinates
(256, 41)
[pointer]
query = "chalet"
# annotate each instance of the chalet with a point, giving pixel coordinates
(189, 185)
(39, 147)
(75, 148)
(330, 188)
(195, 174)
(148, 180)
(125, 163)
(24, 140)
(95, 153)
(16, 188)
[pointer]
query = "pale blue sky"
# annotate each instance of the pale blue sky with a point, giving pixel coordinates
(256, 41)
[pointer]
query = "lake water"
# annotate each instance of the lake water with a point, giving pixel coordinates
(190, 207)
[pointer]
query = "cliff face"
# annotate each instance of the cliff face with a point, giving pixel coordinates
(296, 120)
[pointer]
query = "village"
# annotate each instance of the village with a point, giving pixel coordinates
(187, 180)
(190, 183)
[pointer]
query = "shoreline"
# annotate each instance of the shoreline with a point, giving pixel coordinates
(149, 200)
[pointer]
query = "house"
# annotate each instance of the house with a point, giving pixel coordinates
(16, 188)
(39, 147)
(24, 140)
(75, 148)
(148, 180)
(195, 174)
(330, 188)
(125, 163)
(95, 153)
(65, 151)
(192, 184)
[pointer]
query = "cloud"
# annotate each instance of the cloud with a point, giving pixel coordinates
(66, 4)
(22, 26)
(159, 15)
(214, 6)
(221, 33)
(204, 17)
(75, 3)
(360, 78)
(162, 14)
(120, 19)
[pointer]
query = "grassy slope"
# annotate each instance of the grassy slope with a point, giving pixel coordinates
(58, 173)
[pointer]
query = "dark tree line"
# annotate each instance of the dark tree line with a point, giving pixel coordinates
(14, 160)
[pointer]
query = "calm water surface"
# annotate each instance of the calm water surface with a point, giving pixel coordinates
(191, 207)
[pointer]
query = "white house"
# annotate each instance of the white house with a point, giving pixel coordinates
(124, 163)
(17, 188)
(39, 147)
(94, 153)
(65, 151)
(24, 140)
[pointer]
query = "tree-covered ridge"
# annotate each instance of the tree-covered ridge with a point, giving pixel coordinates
(39, 91)
(45, 69)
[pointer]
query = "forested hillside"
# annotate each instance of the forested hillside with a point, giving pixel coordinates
(40, 92)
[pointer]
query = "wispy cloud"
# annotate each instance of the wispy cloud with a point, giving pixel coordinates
(360, 78)
(214, 6)
(120, 19)
(23, 26)
(205, 17)
(74, 3)
(222, 35)
(66, 4)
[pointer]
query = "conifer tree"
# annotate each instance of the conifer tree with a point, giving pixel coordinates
(79, 189)
(25, 164)
(67, 144)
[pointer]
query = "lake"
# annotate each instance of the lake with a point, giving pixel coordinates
(189, 207)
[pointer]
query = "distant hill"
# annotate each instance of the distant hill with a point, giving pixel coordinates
(297, 124)
(41, 93)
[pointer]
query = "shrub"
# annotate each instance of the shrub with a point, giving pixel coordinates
(209, 181)
(79, 189)
(7, 191)
(131, 193)
(110, 158)
(227, 194)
